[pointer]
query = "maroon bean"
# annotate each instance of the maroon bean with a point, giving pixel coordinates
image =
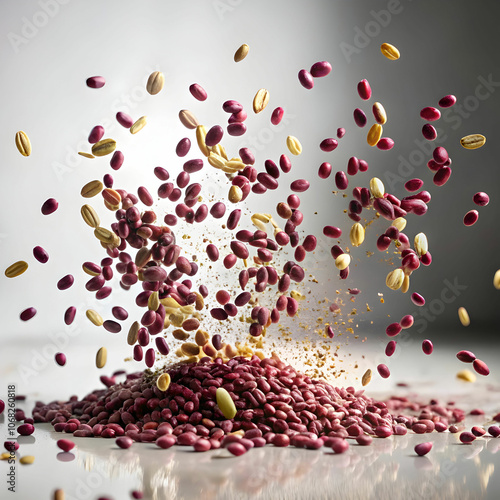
(119, 313)
(267, 180)
(26, 429)
(422, 449)
(214, 136)
(277, 116)
(124, 442)
(481, 367)
(417, 299)
(108, 180)
(300, 253)
(385, 144)
(440, 155)
(329, 332)
(364, 90)
(467, 437)
(471, 217)
(328, 145)
(341, 180)
(198, 92)
(117, 160)
(232, 106)
(429, 132)
(324, 171)
(363, 165)
(145, 196)
(447, 101)
(239, 249)
(299, 185)
(27, 314)
(360, 117)
(320, 69)
(310, 242)
(182, 148)
(154, 273)
(306, 79)
(96, 134)
(192, 166)
(241, 116)
(352, 165)
(364, 440)
(385, 208)
(236, 129)
(166, 441)
(242, 299)
(383, 371)
(480, 198)
(212, 252)
(478, 431)
(285, 163)
(281, 440)
(332, 232)
(233, 219)
(393, 329)
(272, 169)
(95, 283)
(49, 206)
(95, 82)
(246, 156)
(292, 306)
(60, 358)
(43, 257)
(466, 356)
(427, 347)
(138, 353)
(340, 132)
(65, 282)
(112, 326)
(494, 430)
(236, 449)
(430, 114)
(124, 119)
(219, 314)
(390, 348)
(414, 185)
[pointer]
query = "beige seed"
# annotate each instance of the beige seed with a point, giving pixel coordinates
(374, 134)
(216, 161)
(59, 495)
(201, 337)
(94, 317)
(188, 119)
(295, 294)
(190, 349)
(163, 382)
(220, 150)
(101, 357)
(390, 51)
(142, 257)
(90, 216)
(241, 53)
(86, 155)
(466, 376)
(6, 456)
(155, 82)
(421, 245)
(138, 125)
(231, 351)
(16, 269)
(201, 133)
(260, 100)
(399, 223)
(179, 334)
(112, 197)
(235, 194)
(154, 301)
(357, 234)
(265, 218)
(379, 113)
(406, 284)
(342, 261)
(225, 403)
(377, 187)
(176, 318)
(463, 316)
(235, 165)
(200, 303)
(293, 145)
(496, 280)
(394, 279)
(133, 332)
(27, 459)
(104, 147)
(23, 143)
(104, 235)
(91, 189)
(473, 141)
(367, 376)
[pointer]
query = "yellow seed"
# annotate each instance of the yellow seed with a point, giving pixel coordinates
(230, 351)
(390, 51)
(163, 382)
(496, 280)
(394, 279)
(133, 332)
(94, 317)
(59, 495)
(377, 187)
(421, 245)
(367, 376)
(357, 234)
(138, 125)
(104, 235)
(463, 316)
(201, 337)
(406, 284)
(188, 119)
(235, 165)
(265, 218)
(342, 261)
(399, 223)
(104, 147)
(6, 456)
(293, 145)
(225, 403)
(216, 160)
(241, 53)
(110, 206)
(155, 82)
(201, 133)
(179, 334)
(473, 141)
(23, 143)
(86, 155)
(466, 376)
(142, 257)
(260, 100)
(374, 134)
(190, 349)
(177, 318)
(154, 301)
(16, 269)
(91, 189)
(235, 194)
(295, 294)
(101, 357)
(379, 113)
(27, 459)
(90, 216)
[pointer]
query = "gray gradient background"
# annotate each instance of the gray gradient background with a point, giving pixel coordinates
(446, 47)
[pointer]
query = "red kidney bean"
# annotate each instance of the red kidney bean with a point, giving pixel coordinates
(27, 314)
(117, 160)
(285, 163)
(440, 155)
(427, 347)
(320, 69)
(214, 136)
(161, 173)
(406, 321)
(60, 358)
(481, 367)
(95, 82)
(384, 372)
(242, 299)
(390, 348)
(246, 156)
(277, 116)
(233, 219)
(494, 430)
(145, 196)
(414, 185)
(96, 134)
(447, 101)
(65, 282)
(417, 299)
(238, 117)
(108, 181)
(393, 329)
(466, 356)
(212, 252)
(124, 442)
(422, 449)
(306, 79)
(26, 429)
(310, 242)
(478, 431)
(364, 440)
(49, 206)
(138, 353)
(198, 92)
(324, 171)
(471, 217)
(430, 114)
(480, 198)
(42, 256)
(218, 210)
(332, 232)
(340, 133)
(364, 90)
(352, 165)
(341, 180)
(467, 437)
(329, 332)
(119, 313)
(328, 145)
(360, 117)
(385, 144)
(124, 119)
(232, 106)
(236, 449)
(429, 132)
(267, 180)
(112, 326)
(236, 129)
(192, 166)
(166, 441)
(182, 148)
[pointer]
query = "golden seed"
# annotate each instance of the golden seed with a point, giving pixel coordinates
(342, 261)
(201, 133)
(190, 349)
(138, 125)
(155, 82)
(463, 316)
(225, 403)
(104, 235)
(265, 218)
(241, 53)
(23, 143)
(142, 257)
(6, 456)
(293, 145)
(27, 459)
(179, 334)
(235, 165)
(163, 382)
(112, 197)
(101, 357)
(377, 187)
(367, 376)
(133, 332)
(394, 279)
(379, 113)
(399, 223)
(357, 234)
(374, 134)
(473, 141)
(496, 280)
(91, 189)
(188, 119)
(104, 147)
(406, 284)
(86, 155)
(466, 376)
(201, 337)
(94, 317)
(59, 495)
(216, 160)
(154, 301)
(295, 294)
(390, 51)
(260, 100)
(16, 269)
(235, 194)
(421, 245)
